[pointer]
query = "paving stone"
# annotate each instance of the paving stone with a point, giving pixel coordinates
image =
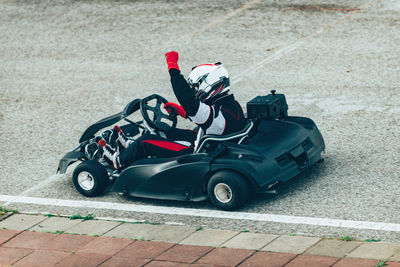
(124, 262)
(6, 235)
(312, 261)
(379, 251)
(165, 233)
(93, 227)
(209, 237)
(4, 216)
(332, 247)
(54, 224)
(392, 264)
(143, 250)
(131, 230)
(345, 262)
(32, 240)
(67, 242)
(201, 265)
(226, 256)
(83, 259)
(41, 258)
(249, 241)
(21, 221)
(8, 256)
(396, 256)
(291, 244)
(169, 233)
(166, 264)
(106, 245)
(184, 253)
(270, 259)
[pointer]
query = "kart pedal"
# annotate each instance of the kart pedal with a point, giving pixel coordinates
(92, 151)
(110, 137)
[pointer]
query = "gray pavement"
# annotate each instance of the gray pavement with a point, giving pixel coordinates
(66, 64)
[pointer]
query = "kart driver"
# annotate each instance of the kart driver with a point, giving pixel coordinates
(204, 99)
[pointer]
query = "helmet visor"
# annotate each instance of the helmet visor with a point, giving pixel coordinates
(194, 86)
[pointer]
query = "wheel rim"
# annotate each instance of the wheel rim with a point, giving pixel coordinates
(223, 193)
(86, 180)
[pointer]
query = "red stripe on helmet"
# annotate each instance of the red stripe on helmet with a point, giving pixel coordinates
(222, 86)
(207, 64)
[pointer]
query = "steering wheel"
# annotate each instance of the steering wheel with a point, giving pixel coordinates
(158, 114)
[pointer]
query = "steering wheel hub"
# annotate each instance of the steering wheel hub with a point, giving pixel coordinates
(161, 120)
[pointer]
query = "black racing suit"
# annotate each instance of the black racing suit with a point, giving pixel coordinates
(220, 116)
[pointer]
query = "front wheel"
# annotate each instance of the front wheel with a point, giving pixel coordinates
(90, 178)
(228, 190)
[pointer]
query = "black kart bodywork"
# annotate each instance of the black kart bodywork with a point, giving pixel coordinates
(268, 151)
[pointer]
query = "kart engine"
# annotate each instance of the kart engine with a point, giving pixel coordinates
(270, 107)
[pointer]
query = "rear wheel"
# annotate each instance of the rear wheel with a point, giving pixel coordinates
(90, 178)
(228, 190)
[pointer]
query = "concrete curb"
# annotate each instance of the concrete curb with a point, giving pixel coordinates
(185, 235)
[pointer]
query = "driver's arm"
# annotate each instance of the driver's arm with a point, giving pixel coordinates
(198, 112)
(184, 93)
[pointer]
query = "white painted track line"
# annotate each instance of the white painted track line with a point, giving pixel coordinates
(153, 52)
(39, 185)
(301, 42)
(278, 54)
(365, 225)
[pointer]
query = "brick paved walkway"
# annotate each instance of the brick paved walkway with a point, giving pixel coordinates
(26, 248)
(94, 244)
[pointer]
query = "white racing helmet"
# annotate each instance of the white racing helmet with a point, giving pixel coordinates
(209, 81)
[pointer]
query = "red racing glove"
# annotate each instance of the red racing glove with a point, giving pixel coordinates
(172, 60)
(175, 107)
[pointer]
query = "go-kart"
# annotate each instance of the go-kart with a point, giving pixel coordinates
(272, 148)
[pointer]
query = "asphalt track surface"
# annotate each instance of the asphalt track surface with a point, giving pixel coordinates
(66, 64)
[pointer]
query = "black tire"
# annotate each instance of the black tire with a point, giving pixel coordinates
(96, 178)
(228, 190)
